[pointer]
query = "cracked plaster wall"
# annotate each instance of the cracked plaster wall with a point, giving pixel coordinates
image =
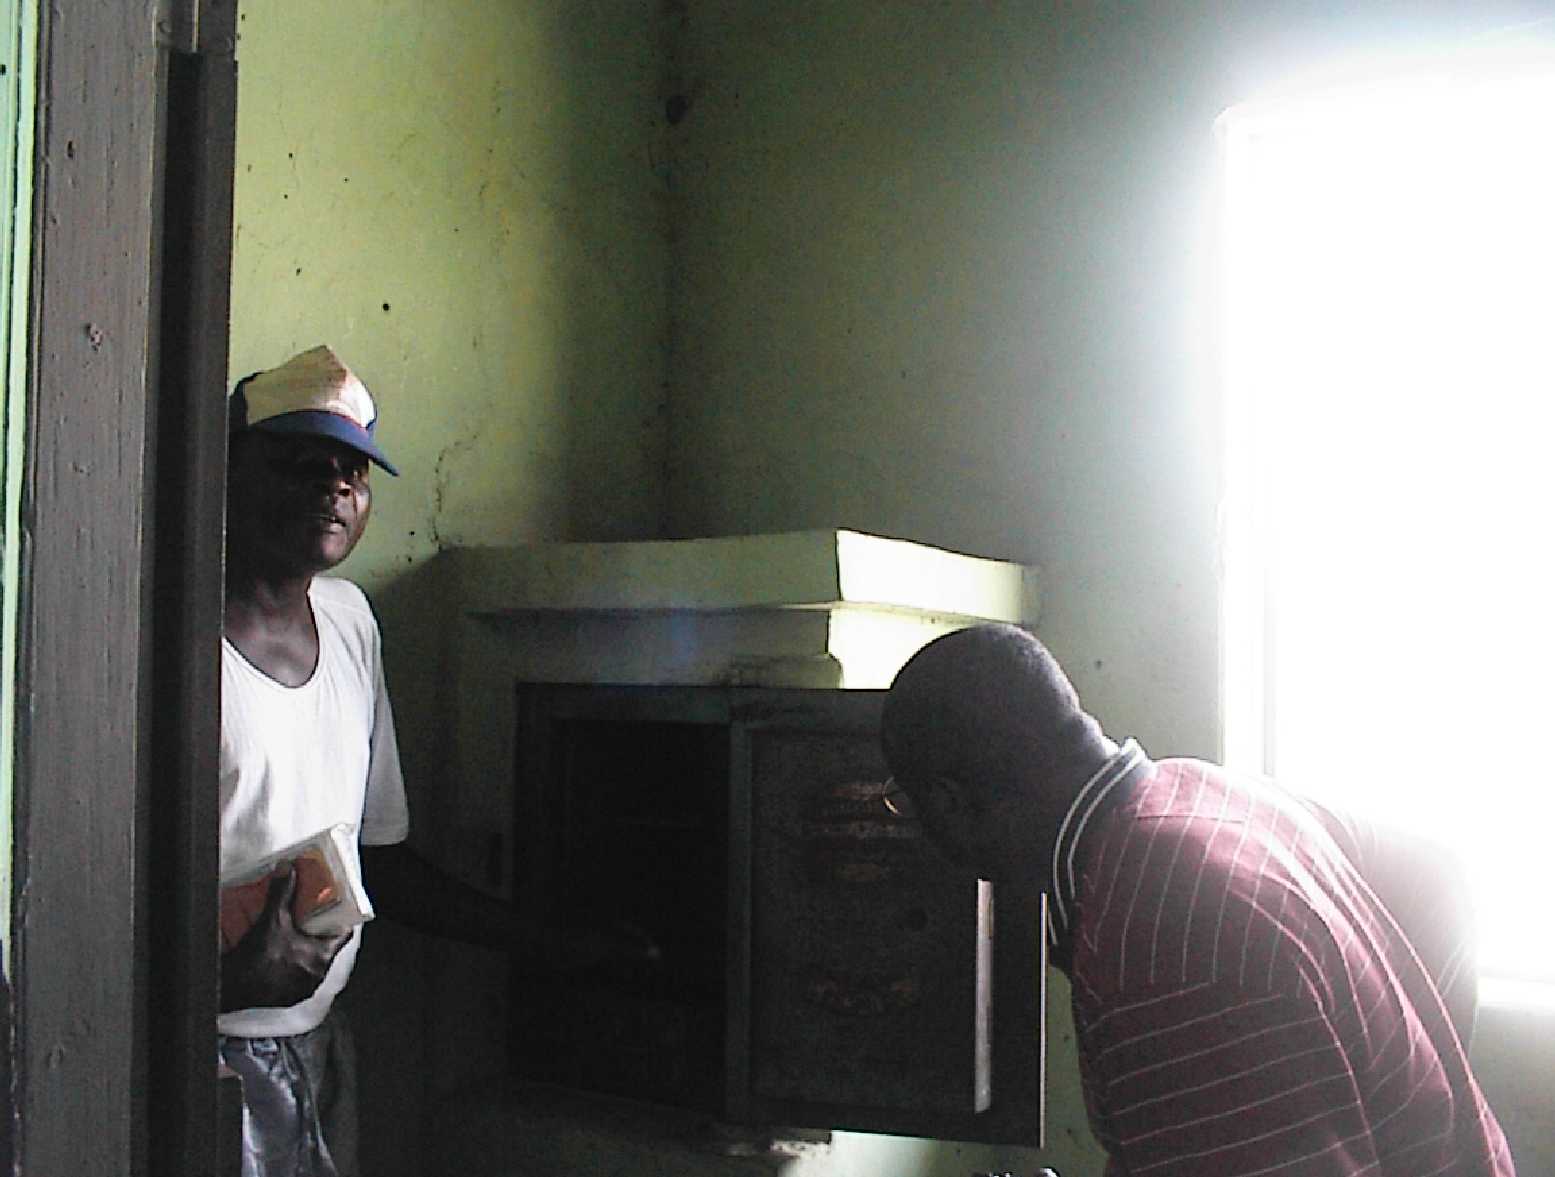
(465, 201)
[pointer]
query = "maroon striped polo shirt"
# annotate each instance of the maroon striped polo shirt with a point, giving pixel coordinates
(1244, 1003)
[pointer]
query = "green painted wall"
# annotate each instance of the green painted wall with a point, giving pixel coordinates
(465, 201)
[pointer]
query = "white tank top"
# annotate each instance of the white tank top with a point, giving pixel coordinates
(295, 760)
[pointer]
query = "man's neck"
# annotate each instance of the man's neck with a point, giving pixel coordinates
(269, 620)
(268, 600)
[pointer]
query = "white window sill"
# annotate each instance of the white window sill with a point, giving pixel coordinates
(1506, 993)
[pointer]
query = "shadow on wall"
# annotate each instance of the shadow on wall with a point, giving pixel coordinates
(387, 1000)
(429, 1014)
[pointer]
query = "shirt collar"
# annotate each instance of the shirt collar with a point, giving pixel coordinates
(1128, 763)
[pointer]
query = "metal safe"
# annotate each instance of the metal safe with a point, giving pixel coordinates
(820, 968)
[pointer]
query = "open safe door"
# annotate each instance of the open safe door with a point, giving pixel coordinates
(887, 994)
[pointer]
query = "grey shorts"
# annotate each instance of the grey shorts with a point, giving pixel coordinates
(299, 1101)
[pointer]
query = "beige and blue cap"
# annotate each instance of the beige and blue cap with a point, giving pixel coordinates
(312, 393)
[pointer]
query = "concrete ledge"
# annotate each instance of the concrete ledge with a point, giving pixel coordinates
(786, 570)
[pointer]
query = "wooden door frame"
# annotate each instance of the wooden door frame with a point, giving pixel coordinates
(118, 667)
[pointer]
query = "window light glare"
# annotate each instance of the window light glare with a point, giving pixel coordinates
(1387, 267)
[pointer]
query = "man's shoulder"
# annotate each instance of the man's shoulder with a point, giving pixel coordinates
(1206, 835)
(344, 603)
(336, 593)
(1181, 888)
(1212, 794)
(1186, 788)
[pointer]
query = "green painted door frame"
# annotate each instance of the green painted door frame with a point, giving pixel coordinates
(18, 36)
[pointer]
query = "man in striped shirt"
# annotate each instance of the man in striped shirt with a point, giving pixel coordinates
(1244, 1002)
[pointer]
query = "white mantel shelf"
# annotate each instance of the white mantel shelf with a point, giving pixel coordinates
(807, 570)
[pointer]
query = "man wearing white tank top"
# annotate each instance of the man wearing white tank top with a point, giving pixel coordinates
(307, 743)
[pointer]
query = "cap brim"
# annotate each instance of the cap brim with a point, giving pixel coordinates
(330, 425)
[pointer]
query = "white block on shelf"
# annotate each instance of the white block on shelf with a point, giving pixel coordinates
(819, 569)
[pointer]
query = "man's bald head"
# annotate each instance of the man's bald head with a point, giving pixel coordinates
(991, 708)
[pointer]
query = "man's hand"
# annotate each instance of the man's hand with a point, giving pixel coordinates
(275, 964)
(407, 888)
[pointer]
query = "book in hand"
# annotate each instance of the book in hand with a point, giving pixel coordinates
(329, 899)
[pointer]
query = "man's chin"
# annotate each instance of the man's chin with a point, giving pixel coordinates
(331, 553)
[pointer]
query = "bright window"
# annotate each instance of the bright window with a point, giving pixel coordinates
(1388, 316)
